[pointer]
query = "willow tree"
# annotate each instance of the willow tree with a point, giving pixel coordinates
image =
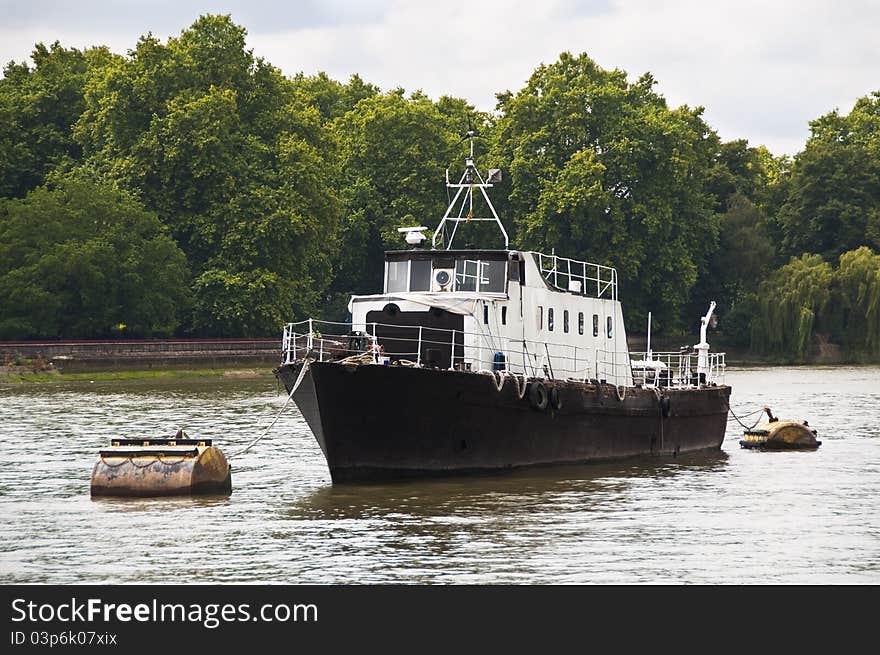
(857, 291)
(790, 301)
(602, 169)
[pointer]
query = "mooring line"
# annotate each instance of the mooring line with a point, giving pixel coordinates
(299, 379)
(743, 425)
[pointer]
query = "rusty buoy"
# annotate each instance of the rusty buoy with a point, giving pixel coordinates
(780, 435)
(161, 467)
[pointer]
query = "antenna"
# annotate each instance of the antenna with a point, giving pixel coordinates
(470, 181)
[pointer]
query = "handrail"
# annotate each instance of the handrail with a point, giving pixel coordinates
(523, 356)
(676, 368)
(574, 270)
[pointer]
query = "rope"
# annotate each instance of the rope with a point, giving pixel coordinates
(757, 411)
(621, 398)
(520, 393)
(299, 379)
(498, 381)
(743, 425)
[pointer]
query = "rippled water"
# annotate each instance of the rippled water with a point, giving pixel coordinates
(732, 517)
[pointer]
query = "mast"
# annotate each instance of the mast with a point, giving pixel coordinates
(470, 181)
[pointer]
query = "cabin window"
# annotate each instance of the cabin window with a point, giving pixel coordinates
(550, 319)
(420, 275)
(580, 322)
(466, 271)
(492, 276)
(485, 314)
(565, 321)
(474, 275)
(595, 325)
(608, 326)
(397, 276)
(540, 317)
(504, 315)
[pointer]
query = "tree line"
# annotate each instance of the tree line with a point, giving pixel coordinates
(189, 188)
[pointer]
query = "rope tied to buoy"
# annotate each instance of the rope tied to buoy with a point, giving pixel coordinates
(299, 379)
(743, 425)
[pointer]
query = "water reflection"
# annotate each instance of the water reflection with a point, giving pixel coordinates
(499, 493)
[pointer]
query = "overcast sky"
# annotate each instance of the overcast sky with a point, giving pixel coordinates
(762, 69)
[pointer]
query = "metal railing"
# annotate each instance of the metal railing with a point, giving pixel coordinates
(594, 279)
(675, 369)
(332, 341)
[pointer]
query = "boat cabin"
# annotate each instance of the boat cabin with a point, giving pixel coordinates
(520, 311)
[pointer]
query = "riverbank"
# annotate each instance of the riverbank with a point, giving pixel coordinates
(59, 361)
(42, 373)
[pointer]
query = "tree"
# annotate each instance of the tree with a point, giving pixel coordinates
(79, 258)
(857, 300)
(790, 303)
(601, 169)
(38, 107)
(232, 158)
(332, 99)
(833, 204)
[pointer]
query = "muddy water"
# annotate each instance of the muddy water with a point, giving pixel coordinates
(735, 516)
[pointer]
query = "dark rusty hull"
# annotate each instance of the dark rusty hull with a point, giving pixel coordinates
(379, 422)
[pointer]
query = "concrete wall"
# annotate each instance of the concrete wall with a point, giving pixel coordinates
(73, 354)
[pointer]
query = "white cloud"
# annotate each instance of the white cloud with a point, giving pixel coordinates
(761, 69)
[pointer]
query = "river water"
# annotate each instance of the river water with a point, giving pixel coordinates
(735, 516)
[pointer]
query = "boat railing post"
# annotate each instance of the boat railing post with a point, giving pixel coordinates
(452, 353)
(419, 354)
(309, 340)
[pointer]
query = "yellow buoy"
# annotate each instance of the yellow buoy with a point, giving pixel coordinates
(161, 467)
(779, 435)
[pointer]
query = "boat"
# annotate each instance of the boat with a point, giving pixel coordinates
(482, 360)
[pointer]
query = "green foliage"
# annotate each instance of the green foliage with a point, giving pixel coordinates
(857, 295)
(82, 257)
(789, 302)
(235, 161)
(601, 169)
(331, 98)
(38, 107)
(807, 297)
(833, 204)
